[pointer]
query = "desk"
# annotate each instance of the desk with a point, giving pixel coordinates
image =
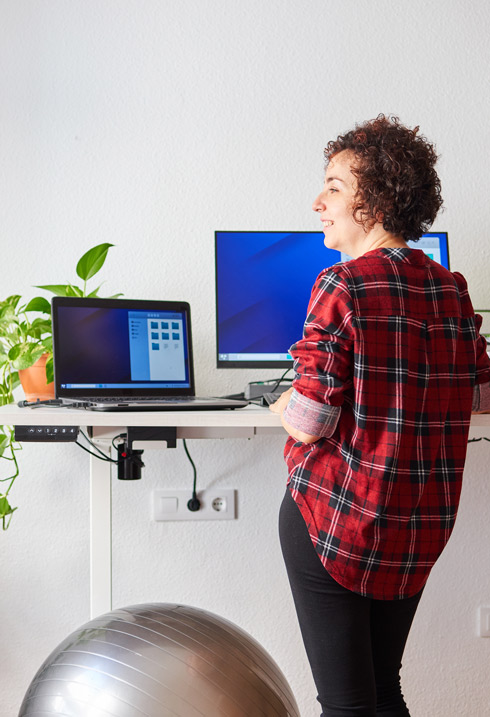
(239, 423)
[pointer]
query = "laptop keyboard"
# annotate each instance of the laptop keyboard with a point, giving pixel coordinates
(125, 399)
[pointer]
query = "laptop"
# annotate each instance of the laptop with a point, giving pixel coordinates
(126, 355)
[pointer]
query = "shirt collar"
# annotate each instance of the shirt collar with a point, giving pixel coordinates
(398, 253)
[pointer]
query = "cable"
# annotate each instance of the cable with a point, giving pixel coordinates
(105, 457)
(38, 402)
(52, 403)
(272, 380)
(102, 456)
(120, 435)
(280, 380)
(107, 460)
(194, 503)
(258, 400)
(193, 466)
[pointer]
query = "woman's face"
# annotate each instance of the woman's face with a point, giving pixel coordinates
(335, 203)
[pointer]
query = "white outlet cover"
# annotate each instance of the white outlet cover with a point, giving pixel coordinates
(484, 621)
(172, 505)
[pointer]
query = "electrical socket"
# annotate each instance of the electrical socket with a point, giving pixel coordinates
(216, 504)
(484, 621)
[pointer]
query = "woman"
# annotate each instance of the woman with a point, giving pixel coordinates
(389, 368)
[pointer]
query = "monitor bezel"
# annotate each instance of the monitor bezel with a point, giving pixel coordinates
(58, 302)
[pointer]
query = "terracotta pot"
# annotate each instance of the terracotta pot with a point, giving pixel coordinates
(33, 380)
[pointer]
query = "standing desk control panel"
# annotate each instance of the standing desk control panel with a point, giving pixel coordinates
(46, 433)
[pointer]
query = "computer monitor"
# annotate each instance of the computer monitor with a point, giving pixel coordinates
(263, 285)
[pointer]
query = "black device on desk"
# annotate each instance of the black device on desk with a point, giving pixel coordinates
(126, 355)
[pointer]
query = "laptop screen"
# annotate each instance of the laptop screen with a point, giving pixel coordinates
(121, 347)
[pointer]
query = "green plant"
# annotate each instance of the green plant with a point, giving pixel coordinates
(23, 340)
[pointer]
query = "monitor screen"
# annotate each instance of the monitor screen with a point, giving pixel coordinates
(120, 345)
(263, 286)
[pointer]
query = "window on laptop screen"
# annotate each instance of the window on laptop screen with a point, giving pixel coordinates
(263, 285)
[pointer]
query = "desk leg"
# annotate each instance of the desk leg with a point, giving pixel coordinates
(100, 536)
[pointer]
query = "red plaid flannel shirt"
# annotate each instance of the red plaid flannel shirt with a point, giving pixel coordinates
(385, 373)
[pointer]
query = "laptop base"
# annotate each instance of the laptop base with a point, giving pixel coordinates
(196, 404)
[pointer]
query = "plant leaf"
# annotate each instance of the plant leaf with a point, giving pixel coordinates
(58, 289)
(15, 352)
(39, 303)
(7, 313)
(13, 300)
(5, 508)
(38, 328)
(73, 291)
(47, 342)
(94, 292)
(28, 355)
(92, 261)
(115, 296)
(49, 370)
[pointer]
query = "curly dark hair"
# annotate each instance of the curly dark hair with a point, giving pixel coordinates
(396, 180)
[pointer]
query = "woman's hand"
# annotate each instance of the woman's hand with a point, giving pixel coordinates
(282, 401)
(278, 407)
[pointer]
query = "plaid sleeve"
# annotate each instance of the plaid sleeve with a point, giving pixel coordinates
(323, 358)
(481, 397)
(309, 416)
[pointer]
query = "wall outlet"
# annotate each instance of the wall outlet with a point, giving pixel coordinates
(216, 504)
(484, 621)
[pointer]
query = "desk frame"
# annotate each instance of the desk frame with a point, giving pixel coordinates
(104, 427)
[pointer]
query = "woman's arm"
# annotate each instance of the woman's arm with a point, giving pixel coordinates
(481, 398)
(279, 407)
(322, 363)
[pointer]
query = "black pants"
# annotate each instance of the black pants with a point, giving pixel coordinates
(354, 644)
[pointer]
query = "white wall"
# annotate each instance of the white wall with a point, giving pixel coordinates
(150, 124)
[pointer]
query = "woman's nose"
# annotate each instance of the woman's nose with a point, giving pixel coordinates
(318, 204)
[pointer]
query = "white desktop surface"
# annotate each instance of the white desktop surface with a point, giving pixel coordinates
(250, 416)
(239, 423)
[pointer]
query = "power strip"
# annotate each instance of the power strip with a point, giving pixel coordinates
(47, 434)
(258, 388)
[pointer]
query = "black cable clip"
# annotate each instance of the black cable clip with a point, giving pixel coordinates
(129, 460)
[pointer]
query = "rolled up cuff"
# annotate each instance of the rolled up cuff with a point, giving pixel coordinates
(312, 417)
(481, 397)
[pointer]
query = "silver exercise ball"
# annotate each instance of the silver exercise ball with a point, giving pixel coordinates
(157, 660)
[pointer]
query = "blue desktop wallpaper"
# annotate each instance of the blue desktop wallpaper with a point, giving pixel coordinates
(93, 346)
(262, 304)
(264, 282)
